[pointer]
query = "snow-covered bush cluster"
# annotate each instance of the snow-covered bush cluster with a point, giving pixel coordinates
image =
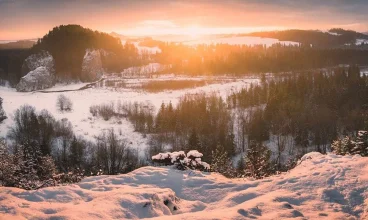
(352, 145)
(191, 160)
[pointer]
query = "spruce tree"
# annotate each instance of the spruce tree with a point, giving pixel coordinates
(257, 163)
(361, 144)
(221, 162)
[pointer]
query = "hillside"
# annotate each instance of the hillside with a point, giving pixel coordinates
(68, 45)
(333, 38)
(23, 44)
(320, 187)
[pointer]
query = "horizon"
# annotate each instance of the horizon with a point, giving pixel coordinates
(163, 17)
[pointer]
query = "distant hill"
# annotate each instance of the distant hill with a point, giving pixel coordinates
(22, 44)
(333, 38)
(120, 36)
(68, 45)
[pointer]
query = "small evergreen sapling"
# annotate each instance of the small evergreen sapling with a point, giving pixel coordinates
(257, 161)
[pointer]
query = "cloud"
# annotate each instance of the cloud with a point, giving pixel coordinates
(35, 17)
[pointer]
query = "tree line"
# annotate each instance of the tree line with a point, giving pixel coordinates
(45, 151)
(242, 59)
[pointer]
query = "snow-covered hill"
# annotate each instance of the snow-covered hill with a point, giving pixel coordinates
(320, 187)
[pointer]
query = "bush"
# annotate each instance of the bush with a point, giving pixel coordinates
(2, 112)
(93, 110)
(106, 111)
(192, 160)
(63, 103)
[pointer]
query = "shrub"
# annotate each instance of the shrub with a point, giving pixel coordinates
(2, 112)
(192, 160)
(93, 109)
(63, 103)
(106, 111)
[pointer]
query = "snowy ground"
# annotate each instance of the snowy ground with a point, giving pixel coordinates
(320, 187)
(88, 126)
(245, 40)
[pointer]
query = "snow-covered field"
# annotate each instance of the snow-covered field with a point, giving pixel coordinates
(320, 187)
(246, 40)
(88, 126)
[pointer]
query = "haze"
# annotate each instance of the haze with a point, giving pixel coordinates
(24, 19)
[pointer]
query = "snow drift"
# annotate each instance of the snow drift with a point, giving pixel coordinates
(320, 187)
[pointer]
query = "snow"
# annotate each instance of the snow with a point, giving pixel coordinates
(320, 187)
(361, 41)
(332, 33)
(233, 40)
(89, 127)
(144, 49)
(246, 40)
(142, 70)
(173, 156)
(194, 153)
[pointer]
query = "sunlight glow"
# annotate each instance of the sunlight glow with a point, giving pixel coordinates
(167, 27)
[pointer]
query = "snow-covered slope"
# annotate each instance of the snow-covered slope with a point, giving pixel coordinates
(88, 126)
(321, 187)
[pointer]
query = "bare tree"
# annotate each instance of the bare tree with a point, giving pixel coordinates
(63, 103)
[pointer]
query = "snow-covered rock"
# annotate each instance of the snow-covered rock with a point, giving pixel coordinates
(321, 187)
(40, 72)
(92, 65)
(40, 78)
(43, 58)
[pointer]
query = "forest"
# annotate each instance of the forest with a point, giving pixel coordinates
(334, 38)
(68, 44)
(241, 59)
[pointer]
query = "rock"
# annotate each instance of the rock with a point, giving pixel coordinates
(34, 61)
(41, 72)
(37, 79)
(92, 66)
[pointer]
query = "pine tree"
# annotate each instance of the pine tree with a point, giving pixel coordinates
(76, 153)
(343, 146)
(193, 142)
(240, 168)
(361, 144)
(221, 162)
(257, 163)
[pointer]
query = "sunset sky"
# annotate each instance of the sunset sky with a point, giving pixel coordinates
(23, 19)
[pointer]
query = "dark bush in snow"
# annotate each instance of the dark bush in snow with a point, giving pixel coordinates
(191, 160)
(63, 103)
(106, 111)
(2, 113)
